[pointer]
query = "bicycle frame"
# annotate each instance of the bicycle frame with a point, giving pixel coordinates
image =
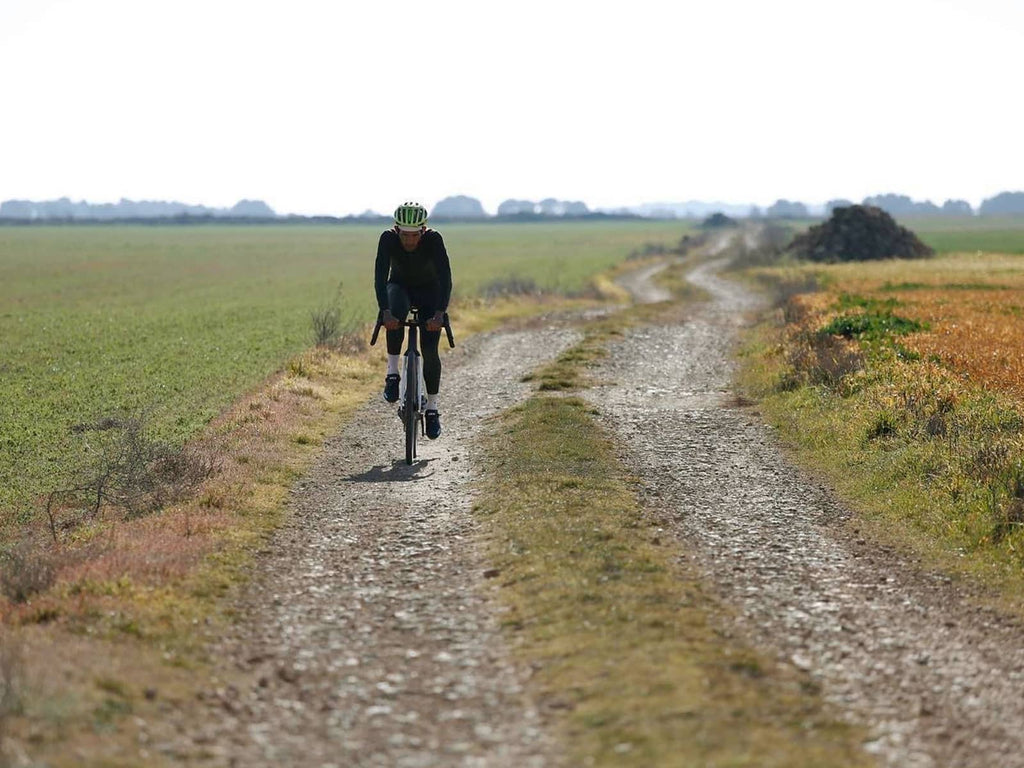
(412, 390)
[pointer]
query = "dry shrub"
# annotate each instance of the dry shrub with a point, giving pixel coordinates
(757, 247)
(819, 358)
(26, 569)
(326, 323)
(512, 285)
(12, 673)
(331, 321)
(130, 471)
(1009, 514)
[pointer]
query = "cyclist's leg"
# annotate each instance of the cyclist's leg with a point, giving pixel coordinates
(431, 362)
(398, 303)
(428, 298)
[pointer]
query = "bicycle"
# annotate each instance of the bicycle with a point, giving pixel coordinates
(413, 398)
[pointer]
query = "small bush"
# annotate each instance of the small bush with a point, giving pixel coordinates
(885, 424)
(512, 285)
(330, 322)
(12, 683)
(1009, 515)
(25, 570)
(128, 470)
(326, 325)
(822, 359)
(759, 246)
(871, 326)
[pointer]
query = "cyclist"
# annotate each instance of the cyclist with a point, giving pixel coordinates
(412, 269)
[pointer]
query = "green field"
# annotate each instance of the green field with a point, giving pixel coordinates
(182, 320)
(967, 235)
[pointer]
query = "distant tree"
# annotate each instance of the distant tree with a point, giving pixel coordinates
(256, 209)
(840, 202)
(894, 205)
(18, 209)
(551, 207)
(957, 208)
(784, 209)
(1003, 204)
(901, 205)
(459, 207)
(516, 207)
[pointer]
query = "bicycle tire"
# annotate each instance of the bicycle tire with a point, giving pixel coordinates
(412, 408)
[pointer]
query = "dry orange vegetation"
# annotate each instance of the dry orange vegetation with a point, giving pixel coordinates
(973, 306)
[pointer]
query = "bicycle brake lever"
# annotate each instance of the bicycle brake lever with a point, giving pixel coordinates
(448, 331)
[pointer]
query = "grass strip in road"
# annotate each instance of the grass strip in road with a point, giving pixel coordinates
(630, 656)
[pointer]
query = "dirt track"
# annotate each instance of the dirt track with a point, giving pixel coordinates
(368, 639)
(938, 681)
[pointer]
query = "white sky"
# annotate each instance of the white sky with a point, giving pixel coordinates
(330, 106)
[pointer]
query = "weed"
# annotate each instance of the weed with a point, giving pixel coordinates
(511, 285)
(330, 321)
(869, 305)
(760, 246)
(12, 674)
(885, 424)
(819, 358)
(871, 326)
(326, 325)
(26, 569)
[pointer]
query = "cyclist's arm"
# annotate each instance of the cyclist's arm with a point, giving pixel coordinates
(444, 272)
(381, 270)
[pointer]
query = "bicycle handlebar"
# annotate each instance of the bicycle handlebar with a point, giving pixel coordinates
(446, 325)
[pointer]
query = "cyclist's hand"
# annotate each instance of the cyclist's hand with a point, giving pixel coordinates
(436, 323)
(389, 321)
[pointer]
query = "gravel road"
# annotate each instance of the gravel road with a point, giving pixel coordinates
(367, 637)
(937, 680)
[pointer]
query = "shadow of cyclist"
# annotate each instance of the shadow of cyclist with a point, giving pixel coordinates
(398, 472)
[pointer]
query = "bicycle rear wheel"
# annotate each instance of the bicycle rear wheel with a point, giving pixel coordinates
(412, 407)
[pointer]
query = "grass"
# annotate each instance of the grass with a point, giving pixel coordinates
(626, 642)
(917, 423)
(183, 321)
(970, 235)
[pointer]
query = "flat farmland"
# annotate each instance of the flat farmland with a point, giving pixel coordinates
(180, 321)
(970, 235)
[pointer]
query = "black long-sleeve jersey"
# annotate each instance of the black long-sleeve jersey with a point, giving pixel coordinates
(427, 265)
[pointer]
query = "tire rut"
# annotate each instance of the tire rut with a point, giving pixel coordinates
(367, 637)
(935, 678)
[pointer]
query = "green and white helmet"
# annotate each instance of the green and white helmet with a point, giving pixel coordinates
(410, 215)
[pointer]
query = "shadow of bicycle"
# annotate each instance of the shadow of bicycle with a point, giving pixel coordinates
(398, 472)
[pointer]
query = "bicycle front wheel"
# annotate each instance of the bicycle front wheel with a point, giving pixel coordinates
(412, 408)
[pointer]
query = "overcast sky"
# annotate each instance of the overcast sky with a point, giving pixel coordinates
(333, 107)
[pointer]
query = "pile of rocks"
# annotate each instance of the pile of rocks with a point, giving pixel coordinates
(717, 220)
(858, 233)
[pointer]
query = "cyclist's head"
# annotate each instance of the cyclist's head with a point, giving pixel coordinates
(410, 223)
(410, 217)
